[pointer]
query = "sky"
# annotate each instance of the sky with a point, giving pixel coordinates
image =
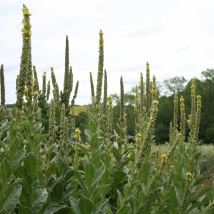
(175, 37)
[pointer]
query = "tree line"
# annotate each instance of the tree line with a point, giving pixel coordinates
(166, 89)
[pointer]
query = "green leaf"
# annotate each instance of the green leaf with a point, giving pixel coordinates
(38, 139)
(25, 210)
(98, 177)
(83, 149)
(39, 200)
(100, 206)
(89, 173)
(94, 144)
(30, 162)
(74, 205)
(124, 210)
(54, 208)
(41, 177)
(101, 190)
(119, 175)
(13, 198)
(86, 205)
(3, 211)
(79, 178)
(58, 191)
(5, 171)
(17, 158)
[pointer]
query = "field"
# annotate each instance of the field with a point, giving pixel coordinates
(78, 109)
(46, 168)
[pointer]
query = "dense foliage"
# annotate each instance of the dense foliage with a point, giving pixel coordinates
(47, 167)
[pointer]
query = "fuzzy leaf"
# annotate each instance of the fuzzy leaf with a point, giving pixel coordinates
(124, 210)
(17, 158)
(40, 200)
(86, 205)
(13, 198)
(30, 162)
(74, 205)
(89, 173)
(101, 190)
(54, 208)
(5, 171)
(25, 210)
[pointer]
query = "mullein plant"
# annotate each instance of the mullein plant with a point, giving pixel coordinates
(148, 91)
(65, 94)
(142, 106)
(100, 68)
(2, 84)
(25, 58)
(92, 85)
(183, 117)
(136, 110)
(144, 142)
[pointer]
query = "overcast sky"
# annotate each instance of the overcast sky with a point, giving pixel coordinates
(175, 36)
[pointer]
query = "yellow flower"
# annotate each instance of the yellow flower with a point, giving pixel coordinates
(35, 93)
(26, 90)
(155, 102)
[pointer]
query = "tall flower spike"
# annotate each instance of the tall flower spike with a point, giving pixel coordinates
(25, 57)
(193, 103)
(65, 95)
(100, 68)
(44, 84)
(92, 85)
(2, 86)
(175, 110)
(136, 108)
(110, 115)
(105, 93)
(154, 88)
(122, 104)
(62, 124)
(53, 78)
(197, 119)
(70, 81)
(48, 89)
(75, 93)
(36, 83)
(148, 92)
(141, 95)
(148, 135)
(29, 76)
(183, 117)
(51, 132)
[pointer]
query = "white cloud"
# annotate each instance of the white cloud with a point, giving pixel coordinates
(176, 37)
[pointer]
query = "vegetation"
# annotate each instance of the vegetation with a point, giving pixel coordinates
(46, 166)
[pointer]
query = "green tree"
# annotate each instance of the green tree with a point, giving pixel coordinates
(175, 84)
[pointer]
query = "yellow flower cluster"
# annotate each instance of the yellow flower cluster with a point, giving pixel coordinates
(33, 82)
(182, 105)
(164, 158)
(26, 32)
(176, 98)
(138, 138)
(35, 93)
(26, 90)
(77, 134)
(171, 168)
(44, 75)
(110, 103)
(189, 122)
(199, 101)
(193, 89)
(189, 176)
(26, 12)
